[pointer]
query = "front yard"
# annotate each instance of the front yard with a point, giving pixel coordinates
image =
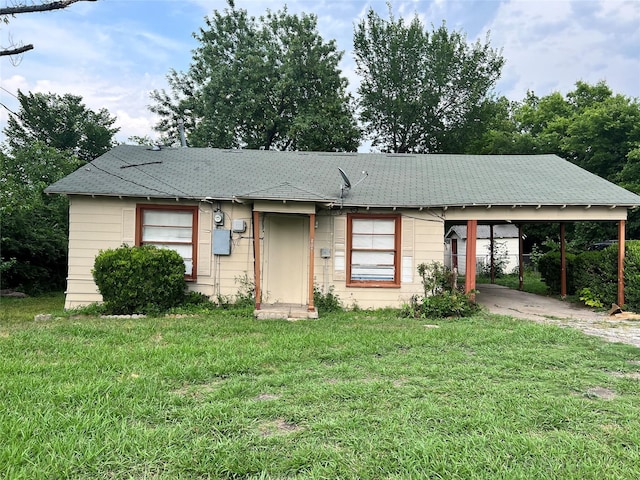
(351, 395)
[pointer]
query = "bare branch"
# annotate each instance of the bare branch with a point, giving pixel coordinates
(43, 7)
(16, 51)
(6, 12)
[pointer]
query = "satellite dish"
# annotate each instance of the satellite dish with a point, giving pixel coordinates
(347, 183)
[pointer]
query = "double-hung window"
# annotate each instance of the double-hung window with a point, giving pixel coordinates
(373, 243)
(173, 227)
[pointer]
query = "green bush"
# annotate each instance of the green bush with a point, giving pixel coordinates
(140, 279)
(597, 272)
(436, 278)
(549, 267)
(442, 305)
(440, 299)
(326, 302)
(632, 275)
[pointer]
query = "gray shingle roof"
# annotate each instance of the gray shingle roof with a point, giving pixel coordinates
(393, 180)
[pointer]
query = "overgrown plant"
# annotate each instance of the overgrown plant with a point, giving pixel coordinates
(500, 257)
(436, 278)
(589, 299)
(597, 273)
(326, 301)
(246, 296)
(440, 299)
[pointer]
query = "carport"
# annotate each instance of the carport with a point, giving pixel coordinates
(542, 189)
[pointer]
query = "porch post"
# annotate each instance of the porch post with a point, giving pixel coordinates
(520, 259)
(256, 256)
(563, 263)
(493, 260)
(621, 240)
(312, 233)
(470, 271)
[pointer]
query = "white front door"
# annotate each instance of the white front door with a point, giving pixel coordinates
(286, 259)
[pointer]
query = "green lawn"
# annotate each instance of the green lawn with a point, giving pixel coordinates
(532, 282)
(363, 395)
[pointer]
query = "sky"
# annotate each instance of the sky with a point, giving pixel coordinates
(113, 53)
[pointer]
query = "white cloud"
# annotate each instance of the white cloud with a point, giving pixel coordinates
(551, 45)
(115, 61)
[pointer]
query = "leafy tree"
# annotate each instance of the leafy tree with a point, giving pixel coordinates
(61, 122)
(19, 8)
(591, 127)
(422, 91)
(50, 137)
(269, 83)
(33, 225)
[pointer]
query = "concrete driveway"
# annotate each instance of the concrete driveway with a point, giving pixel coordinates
(505, 301)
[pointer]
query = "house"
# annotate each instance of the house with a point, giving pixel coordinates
(506, 247)
(287, 221)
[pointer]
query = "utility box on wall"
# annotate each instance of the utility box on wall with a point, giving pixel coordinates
(239, 226)
(221, 241)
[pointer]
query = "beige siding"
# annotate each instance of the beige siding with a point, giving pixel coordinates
(228, 270)
(422, 240)
(101, 223)
(94, 224)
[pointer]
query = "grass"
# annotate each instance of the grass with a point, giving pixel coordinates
(363, 395)
(532, 282)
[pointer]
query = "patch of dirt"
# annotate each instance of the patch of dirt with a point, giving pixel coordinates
(279, 426)
(197, 390)
(601, 393)
(632, 375)
(267, 396)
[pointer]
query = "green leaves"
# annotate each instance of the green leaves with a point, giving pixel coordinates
(34, 226)
(50, 137)
(140, 279)
(61, 122)
(421, 91)
(269, 83)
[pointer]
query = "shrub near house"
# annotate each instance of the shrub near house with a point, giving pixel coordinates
(594, 274)
(140, 279)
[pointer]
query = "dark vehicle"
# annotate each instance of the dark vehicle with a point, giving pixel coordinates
(601, 245)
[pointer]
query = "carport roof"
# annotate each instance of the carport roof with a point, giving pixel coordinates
(391, 180)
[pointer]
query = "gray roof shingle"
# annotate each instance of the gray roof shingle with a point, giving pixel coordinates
(392, 180)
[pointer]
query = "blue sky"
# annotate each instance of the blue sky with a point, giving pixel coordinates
(114, 52)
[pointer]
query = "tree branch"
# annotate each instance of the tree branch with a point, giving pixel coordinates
(44, 7)
(16, 51)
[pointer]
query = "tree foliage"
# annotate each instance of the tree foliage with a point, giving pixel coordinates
(269, 83)
(589, 126)
(49, 138)
(61, 122)
(422, 91)
(33, 225)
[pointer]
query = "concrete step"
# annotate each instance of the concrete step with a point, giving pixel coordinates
(284, 311)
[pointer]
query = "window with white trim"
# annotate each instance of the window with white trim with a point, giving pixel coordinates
(373, 244)
(170, 227)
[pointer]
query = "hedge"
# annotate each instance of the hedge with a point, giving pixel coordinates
(140, 279)
(597, 271)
